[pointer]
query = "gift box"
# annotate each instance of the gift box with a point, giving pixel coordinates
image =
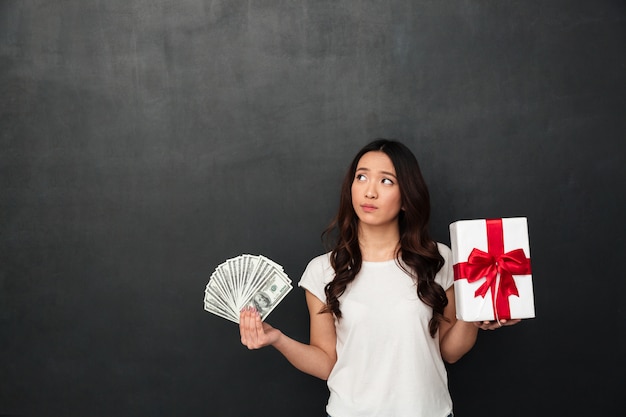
(492, 275)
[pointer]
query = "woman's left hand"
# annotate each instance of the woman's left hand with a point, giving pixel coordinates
(493, 325)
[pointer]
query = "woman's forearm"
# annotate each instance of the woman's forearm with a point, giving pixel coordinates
(458, 340)
(306, 358)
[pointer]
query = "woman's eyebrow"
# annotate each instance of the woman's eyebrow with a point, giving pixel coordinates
(391, 174)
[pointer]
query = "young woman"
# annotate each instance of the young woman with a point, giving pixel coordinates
(381, 302)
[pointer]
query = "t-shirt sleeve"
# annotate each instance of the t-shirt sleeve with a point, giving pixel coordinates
(317, 274)
(445, 276)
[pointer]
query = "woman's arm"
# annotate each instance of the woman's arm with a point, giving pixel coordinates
(457, 337)
(316, 358)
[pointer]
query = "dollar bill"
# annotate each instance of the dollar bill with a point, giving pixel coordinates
(246, 280)
(273, 289)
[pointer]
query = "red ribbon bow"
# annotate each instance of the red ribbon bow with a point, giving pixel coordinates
(491, 264)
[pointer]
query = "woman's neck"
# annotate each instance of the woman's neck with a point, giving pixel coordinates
(378, 244)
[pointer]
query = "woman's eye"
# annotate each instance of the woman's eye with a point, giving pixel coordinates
(360, 177)
(387, 181)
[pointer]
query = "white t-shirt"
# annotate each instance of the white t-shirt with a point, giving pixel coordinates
(388, 365)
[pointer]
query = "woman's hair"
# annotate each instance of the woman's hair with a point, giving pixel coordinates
(417, 250)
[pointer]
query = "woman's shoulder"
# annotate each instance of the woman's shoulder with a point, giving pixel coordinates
(320, 261)
(445, 276)
(316, 275)
(444, 250)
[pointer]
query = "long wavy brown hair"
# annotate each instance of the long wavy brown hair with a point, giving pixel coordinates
(417, 250)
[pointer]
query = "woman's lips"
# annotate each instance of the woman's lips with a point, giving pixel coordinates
(368, 208)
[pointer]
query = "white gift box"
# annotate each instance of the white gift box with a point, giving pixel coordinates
(491, 259)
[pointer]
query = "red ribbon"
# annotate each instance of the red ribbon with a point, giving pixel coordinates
(489, 264)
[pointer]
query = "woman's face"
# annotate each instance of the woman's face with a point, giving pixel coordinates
(375, 191)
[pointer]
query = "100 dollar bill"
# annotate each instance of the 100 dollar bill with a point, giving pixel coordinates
(266, 297)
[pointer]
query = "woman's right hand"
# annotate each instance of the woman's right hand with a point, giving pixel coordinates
(255, 334)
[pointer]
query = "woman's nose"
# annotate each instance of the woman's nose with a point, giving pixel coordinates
(370, 192)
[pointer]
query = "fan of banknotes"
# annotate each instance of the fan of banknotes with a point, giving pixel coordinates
(246, 280)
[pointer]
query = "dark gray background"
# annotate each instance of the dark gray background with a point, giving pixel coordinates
(145, 142)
